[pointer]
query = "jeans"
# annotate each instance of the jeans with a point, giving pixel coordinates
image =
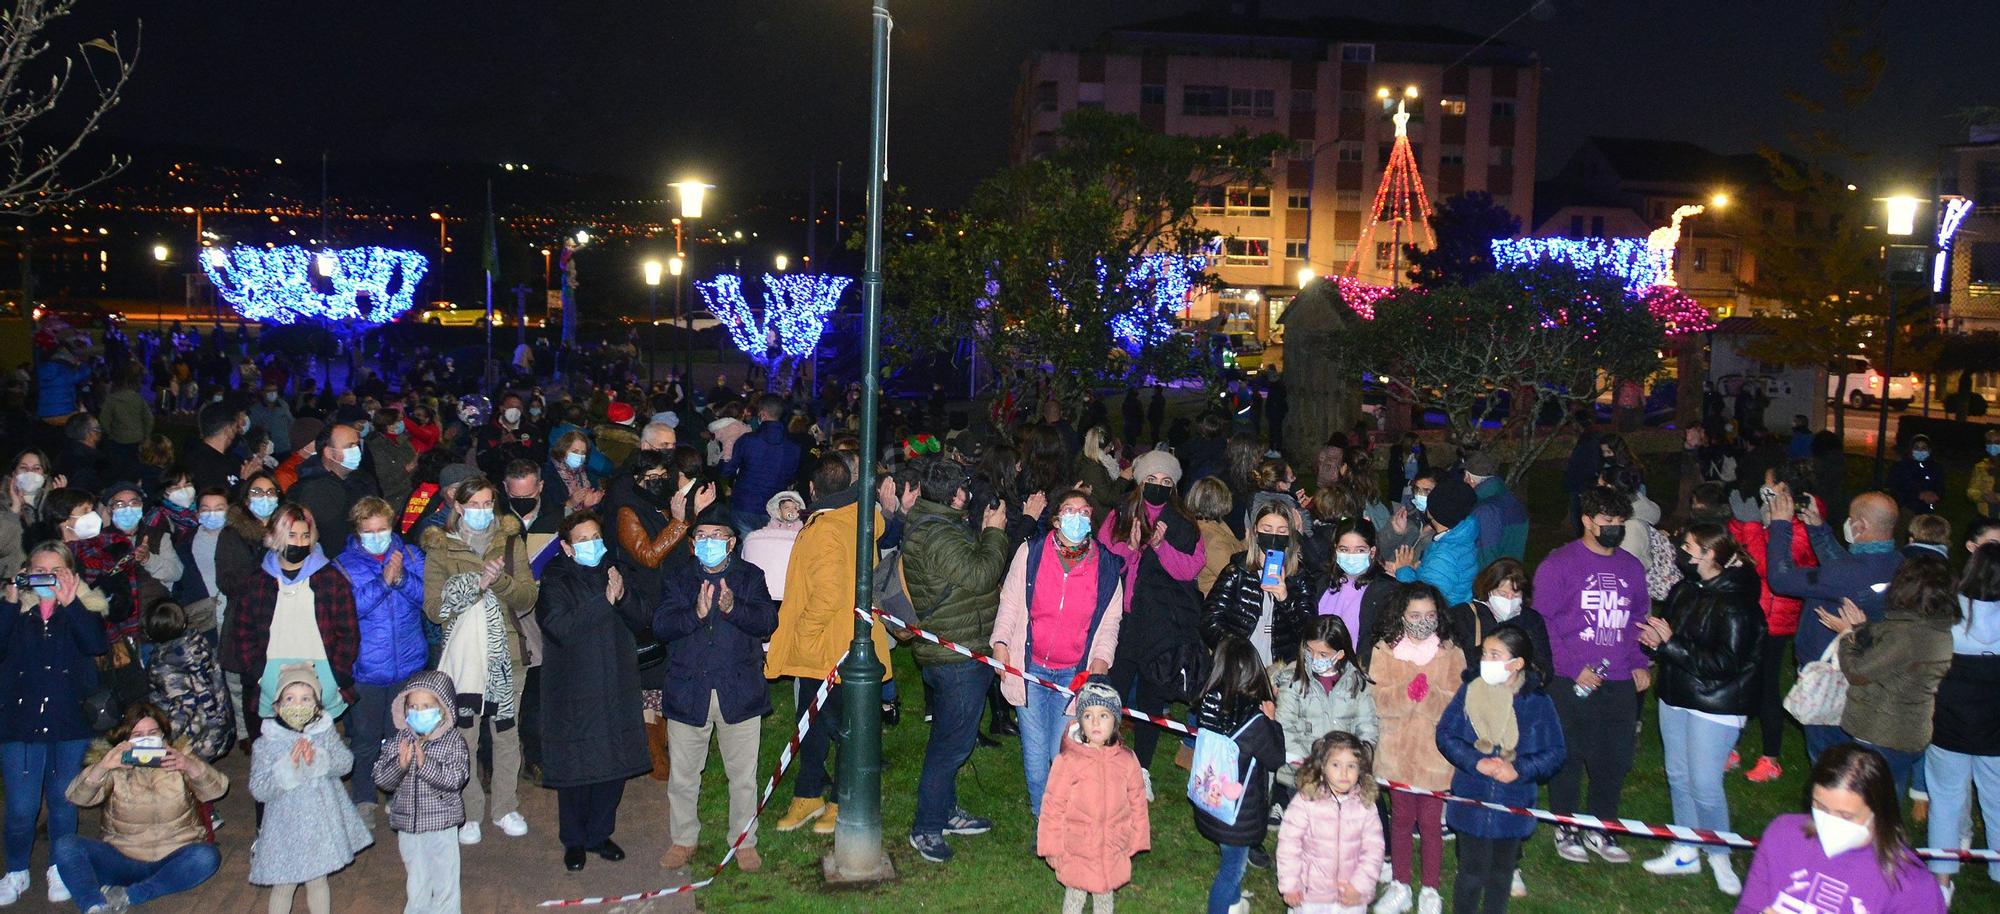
(1697, 750)
(38, 772)
(1820, 738)
(588, 814)
(747, 521)
(1485, 874)
(88, 865)
(1227, 888)
(1951, 774)
(958, 695)
(367, 726)
(1598, 732)
(1900, 764)
(813, 779)
(1042, 723)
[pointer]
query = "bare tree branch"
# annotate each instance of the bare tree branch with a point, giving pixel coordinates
(31, 178)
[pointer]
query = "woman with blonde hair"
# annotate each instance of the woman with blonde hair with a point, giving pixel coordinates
(296, 607)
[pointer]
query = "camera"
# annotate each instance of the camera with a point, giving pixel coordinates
(25, 580)
(147, 751)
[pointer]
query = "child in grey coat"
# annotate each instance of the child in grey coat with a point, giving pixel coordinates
(310, 828)
(424, 767)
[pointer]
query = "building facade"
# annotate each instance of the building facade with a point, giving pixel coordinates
(1317, 81)
(1969, 297)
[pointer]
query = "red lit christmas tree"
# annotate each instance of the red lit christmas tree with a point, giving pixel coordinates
(1399, 201)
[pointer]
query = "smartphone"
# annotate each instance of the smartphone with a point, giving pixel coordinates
(146, 752)
(1274, 567)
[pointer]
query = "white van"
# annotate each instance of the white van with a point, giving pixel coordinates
(1865, 385)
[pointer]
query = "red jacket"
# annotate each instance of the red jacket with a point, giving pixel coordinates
(1093, 816)
(1781, 613)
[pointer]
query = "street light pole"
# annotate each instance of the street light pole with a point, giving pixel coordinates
(857, 837)
(653, 270)
(1898, 260)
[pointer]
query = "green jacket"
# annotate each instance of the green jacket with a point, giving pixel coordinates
(954, 579)
(126, 416)
(1893, 669)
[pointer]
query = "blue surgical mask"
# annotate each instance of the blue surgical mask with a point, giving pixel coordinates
(264, 506)
(127, 518)
(212, 520)
(182, 497)
(1075, 527)
(1993, 450)
(424, 720)
(1920, 455)
(1354, 563)
(573, 460)
(351, 458)
(396, 428)
(1420, 501)
(376, 542)
(589, 553)
(710, 552)
(479, 518)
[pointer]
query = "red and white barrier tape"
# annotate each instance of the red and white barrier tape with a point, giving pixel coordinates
(784, 763)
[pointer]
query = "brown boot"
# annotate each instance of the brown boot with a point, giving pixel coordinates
(748, 860)
(677, 856)
(656, 743)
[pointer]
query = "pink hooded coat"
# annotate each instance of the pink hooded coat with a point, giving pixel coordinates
(1094, 816)
(1329, 842)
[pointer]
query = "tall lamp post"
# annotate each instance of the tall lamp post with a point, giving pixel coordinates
(676, 265)
(690, 192)
(1902, 265)
(653, 270)
(160, 255)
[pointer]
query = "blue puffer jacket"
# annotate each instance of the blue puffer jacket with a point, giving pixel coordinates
(56, 381)
(763, 463)
(1450, 564)
(391, 618)
(1538, 754)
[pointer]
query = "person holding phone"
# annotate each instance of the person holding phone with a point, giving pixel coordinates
(1263, 596)
(155, 840)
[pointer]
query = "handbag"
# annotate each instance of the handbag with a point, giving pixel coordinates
(1820, 694)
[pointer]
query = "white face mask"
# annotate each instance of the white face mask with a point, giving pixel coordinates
(1847, 530)
(88, 525)
(1504, 608)
(1495, 672)
(30, 481)
(1837, 835)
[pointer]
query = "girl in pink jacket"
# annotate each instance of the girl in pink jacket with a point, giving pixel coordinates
(1330, 845)
(1094, 813)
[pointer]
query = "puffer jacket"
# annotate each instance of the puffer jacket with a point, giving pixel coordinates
(1236, 602)
(1409, 701)
(391, 618)
(1327, 842)
(1307, 712)
(47, 667)
(1449, 563)
(1781, 613)
(1967, 718)
(1893, 670)
(1538, 755)
(816, 621)
(428, 797)
(146, 810)
(1503, 522)
(1094, 815)
(954, 577)
(1710, 663)
(763, 463)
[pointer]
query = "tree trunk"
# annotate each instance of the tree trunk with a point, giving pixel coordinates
(1325, 393)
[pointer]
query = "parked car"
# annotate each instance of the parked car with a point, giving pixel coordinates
(79, 314)
(1866, 386)
(449, 314)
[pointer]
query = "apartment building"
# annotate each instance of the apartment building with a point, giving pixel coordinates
(1317, 81)
(1969, 296)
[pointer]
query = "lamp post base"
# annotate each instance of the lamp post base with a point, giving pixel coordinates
(831, 872)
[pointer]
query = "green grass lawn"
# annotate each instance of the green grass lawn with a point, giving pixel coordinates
(999, 872)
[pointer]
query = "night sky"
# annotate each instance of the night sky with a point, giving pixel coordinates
(749, 92)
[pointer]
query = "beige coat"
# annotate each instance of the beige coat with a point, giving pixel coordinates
(147, 814)
(1408, 752)
(446, 556)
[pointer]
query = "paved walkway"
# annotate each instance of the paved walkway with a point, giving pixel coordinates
(500, 873)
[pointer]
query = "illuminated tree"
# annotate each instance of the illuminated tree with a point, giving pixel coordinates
(796, 306)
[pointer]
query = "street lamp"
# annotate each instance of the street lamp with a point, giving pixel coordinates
(690, 192)
(652, 271)
(1306, 275)
(782, 262)
(1900, 262)
(160, 254)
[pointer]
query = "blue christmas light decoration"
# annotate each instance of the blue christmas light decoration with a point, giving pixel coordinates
(796, 306)
(284, 285)
(724, 297)
(1629, 259)
(1165, 279)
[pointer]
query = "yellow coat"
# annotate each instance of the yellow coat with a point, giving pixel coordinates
(816, 620)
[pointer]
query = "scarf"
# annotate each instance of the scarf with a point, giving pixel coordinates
(1420, 653)
(476, 650)
(1070, 555)
(573, 479)
(1491, 710)
(479, 540)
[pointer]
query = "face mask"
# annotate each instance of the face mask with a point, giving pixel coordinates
(589, 553)
(363, 428)
(397, 428)
(535, 411)
(127, 519)
(1273, 542)
(270, 396)
(181, 497)
(424, 720)
(1993, 450)
(1504, 608)
(89, 525)
(1075, 527)
(376, 542)
(1421, 629)
(295, 553)
(351, 458)
(511, 414)
(264, 506)
(523, 506)
(661, 487)
(1610, 535)
(1320, 665)
(1494, 672)
(297, 716)
(212, 520)
(479, 518)
(1420, 501)
(1157, 494)
(1837, 835)
(45, 592)
(31, 481)
(573, 460)
(1354, 563)
(1847, 529)
(710, 552)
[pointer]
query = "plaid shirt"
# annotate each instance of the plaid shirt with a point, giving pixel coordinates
(110, 565)
(253, 600)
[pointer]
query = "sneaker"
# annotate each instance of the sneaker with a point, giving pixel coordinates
(1394, 901)
(215, 820)
(1447, 833)
(1241, 906)
(677, 856)
(931, 847)
(513, 825)
(468, 833)
(116, 901)
(748, 860)
(965, 823)
(892, 713)
(1606, 846)
(1765, 771)
(1428, 901)
(1149, 784)
(802, 810)
(1726, 880)
(1949, 889)
(1735, 760)
(1260, 858)
(1569, 845)
(58, 893)
(1388, 873)
(1275, 819)
(827, 823)
(1517, 889)
(12, 885)
(1677, 861)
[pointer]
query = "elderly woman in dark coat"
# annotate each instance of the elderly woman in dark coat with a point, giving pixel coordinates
(593, 726)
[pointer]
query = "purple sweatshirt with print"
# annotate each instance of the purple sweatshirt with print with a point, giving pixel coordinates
(1792, 875)
(1593, 605)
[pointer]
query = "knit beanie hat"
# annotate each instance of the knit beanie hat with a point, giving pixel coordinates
(1099, 695)
(1451, 502)
(1153, 462)
(296, 674)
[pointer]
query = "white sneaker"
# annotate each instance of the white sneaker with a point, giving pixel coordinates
(1428, 901)
(1394, 901)
(1726, 880)
(1242, 906)
(512, 824)
(58, 893)
(1149, 784)
(1676, 861)
(12, 885)
(468, 833)
(1519, 889)
(1388, 873)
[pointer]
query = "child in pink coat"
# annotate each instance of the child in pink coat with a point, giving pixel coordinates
(1330, 845)
(1094, 808)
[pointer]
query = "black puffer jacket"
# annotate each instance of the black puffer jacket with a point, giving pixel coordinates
(1236, 602)
(1967, 719)
(1710, 663)
(1261, 742)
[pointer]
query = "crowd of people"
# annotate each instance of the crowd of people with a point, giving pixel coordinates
(379, 593)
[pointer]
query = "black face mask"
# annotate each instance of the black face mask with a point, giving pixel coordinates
(1156, 494)
(524, 505)
(296, 554)
(1610, 535)
(1272, 542)
(1686, 563)
(661, 487)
